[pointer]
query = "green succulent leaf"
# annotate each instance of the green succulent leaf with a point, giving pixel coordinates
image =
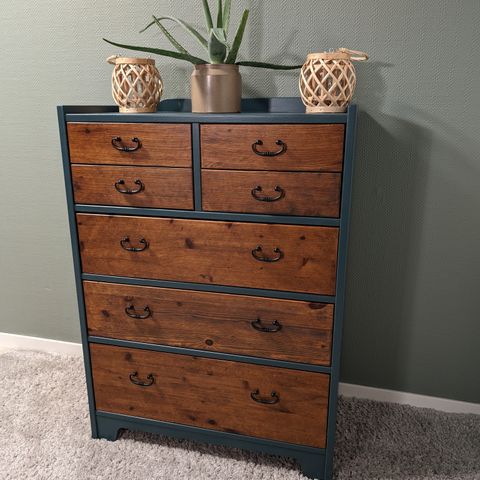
(159, 51)
(208, 14)
(217, 47)
(186, 26)
(220, 35)
(226, 14)
(220, 14)
(232, 56)
(272, 66)
(170, 37)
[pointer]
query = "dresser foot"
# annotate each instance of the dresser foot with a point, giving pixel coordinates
(313, 466)
(108, 429)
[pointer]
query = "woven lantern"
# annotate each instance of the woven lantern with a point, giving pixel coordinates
(136, 84)
(327, 80)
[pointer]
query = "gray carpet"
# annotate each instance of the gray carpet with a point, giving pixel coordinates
(44, 435)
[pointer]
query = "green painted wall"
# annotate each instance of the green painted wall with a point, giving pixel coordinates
(413, 310)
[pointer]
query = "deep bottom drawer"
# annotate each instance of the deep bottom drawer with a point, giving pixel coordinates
(260, 401)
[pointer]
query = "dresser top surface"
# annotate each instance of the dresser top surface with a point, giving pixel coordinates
(254, 110)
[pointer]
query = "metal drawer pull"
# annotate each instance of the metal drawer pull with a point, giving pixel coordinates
(132, 313)
(127, 191)
(257, 254)
(134, 379)
(274, 398)
(125, 241)
(116, 142)
(257, 325)
(266, 198)
(259, 143)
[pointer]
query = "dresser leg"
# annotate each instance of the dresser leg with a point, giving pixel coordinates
(313, 466)
(107, 428)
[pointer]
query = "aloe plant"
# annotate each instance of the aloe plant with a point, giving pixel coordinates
(216, 43)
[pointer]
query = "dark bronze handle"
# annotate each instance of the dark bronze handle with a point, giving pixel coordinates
(132, 313)
(125, 241)
(116, 142)
(263, 258)
(134, 379)
(257, 325)
(266, 198)
(274, 398)
(127, 191)
(258, 143)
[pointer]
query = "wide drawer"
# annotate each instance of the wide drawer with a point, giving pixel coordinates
(278, 257)
(262, 327)
(166, 145)
(266, 402)
(156, 187)
(273, 147)
(307, 194)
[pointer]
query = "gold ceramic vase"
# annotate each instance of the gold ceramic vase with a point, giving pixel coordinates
(216, 88)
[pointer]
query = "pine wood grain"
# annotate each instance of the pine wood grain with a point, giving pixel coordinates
(163, 187)
(211, 321)
(306, 194)
(309, 147)
(213, 394)
(167, 145)
(211, 252)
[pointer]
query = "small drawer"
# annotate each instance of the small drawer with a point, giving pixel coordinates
(273, 147)
(268, 256)
(266, 402)
(287, 193)
(155, 187)
(164, 145)
(262, 327)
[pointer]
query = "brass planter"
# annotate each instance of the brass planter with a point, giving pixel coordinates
(216, 88)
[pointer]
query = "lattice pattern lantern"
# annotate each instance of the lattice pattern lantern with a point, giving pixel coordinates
(328, 79)
(136, 84)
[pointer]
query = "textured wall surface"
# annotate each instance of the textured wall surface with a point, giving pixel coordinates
(413, 311)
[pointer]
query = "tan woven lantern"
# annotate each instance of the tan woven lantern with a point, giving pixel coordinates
(327, 80)
(136, 84)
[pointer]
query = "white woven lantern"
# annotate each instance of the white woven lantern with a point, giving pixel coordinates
(327, 80)
(136, 84)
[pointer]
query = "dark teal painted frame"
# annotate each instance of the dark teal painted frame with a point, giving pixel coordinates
(315, 462)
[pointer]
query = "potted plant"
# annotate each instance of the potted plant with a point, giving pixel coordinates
(216, 83)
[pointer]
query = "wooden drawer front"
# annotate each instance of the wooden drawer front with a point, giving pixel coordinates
(308, 194)
(211, 252)
(308, 147)
(155, 187)
(167, 145)
(262, 327)
(213, 394)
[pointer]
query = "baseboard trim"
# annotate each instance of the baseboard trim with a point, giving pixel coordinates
(10, 341)
(405, 398)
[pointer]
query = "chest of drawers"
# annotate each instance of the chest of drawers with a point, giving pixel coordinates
(210, 256)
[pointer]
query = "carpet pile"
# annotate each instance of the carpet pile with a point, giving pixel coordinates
(45, 435)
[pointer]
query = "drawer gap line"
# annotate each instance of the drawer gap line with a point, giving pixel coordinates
(209, 354)
(307, 297)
